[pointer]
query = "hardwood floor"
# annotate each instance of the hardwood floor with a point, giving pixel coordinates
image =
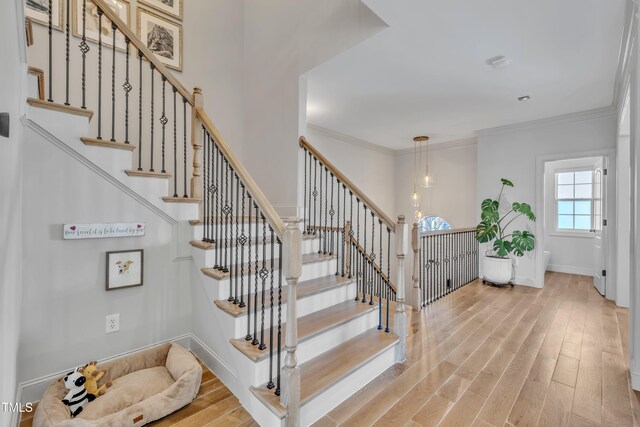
(213, 406)
(521, 356)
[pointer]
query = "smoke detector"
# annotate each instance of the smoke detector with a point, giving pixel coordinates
(524, 98)
(499, 62)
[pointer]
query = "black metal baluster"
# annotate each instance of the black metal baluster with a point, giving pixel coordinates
(350, 243)
(243, 242)
(205, 181)
(218, 216)
(50, 12)
(255, 287)
(84, 48)
(357, 251)
(388, 274)
(100, 74)
(338, 233)
(309, 218)
(373, 258)
(279, 314)
(225, 212)
(213, 189)
(434, 267)
(320, 230)
(175, 143)
(315, 194)
(421, 270)
(344, 227)
(270, 384)
(331, 214)
(364, 265)
(67, 37)
(163, 122)
(113, 82)
(184, 142)
(127, 88)
(236, 300)
(304, 194)
(263, 276)
(326, 205)
(153, 92)
(380, 280)
(140, 112)
(249, 337)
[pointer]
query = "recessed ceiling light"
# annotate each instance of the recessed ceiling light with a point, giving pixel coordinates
(524, 98)
(499, 62)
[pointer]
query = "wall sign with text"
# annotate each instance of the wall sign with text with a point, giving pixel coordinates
(101, 231)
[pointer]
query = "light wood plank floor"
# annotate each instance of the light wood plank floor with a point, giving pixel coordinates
(484, 356)
(214, 405)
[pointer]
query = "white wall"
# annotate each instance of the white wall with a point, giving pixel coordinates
(569, 253)
(283, 39)
(453, 196)
(513, 151)
(64, 296)
(12, 76)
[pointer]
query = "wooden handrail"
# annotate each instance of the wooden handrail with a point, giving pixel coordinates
(352, 187)
(376, 267)
(442, 232)
(259, 198)
(162, 69)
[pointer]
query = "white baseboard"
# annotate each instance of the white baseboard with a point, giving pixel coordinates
(569, 269)
(635, 380)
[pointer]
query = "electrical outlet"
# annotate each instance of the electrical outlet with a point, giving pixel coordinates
(112, 323)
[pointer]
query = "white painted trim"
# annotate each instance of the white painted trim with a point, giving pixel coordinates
(635, 380)
(599, 113)
(624, 56)
(570, 269)
(31, 390)
(95, 168)
(450, 145)
(205, 354)
(347, 139)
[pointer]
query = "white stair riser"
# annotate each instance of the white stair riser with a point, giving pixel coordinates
(306, 305)
(212, 255)
(313, 347)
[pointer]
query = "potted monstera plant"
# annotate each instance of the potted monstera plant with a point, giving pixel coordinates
(494, 229)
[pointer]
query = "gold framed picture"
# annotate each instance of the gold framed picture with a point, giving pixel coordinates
(162, 36)
(173, 8)
(38, 11)
(121, 7)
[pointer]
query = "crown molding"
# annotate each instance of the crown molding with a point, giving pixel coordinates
(598, 113)
(348, 139)
(448, 145)
(628, 40)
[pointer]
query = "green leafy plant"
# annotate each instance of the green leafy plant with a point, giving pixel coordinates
(493, 226)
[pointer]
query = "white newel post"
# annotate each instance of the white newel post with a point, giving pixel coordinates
(196, 144)
(292, 264)
(400, 317)
(415, 292)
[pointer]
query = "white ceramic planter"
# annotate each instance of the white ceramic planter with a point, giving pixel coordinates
(498, 270)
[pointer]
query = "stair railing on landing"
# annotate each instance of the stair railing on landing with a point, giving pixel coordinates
(235, 215)
(349, 225)
(443, 261)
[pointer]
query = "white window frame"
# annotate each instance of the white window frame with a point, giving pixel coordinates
(565, 231)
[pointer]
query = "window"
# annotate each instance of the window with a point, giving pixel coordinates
(574, 200)
(433, 223)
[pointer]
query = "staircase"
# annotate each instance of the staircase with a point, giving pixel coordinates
(304, 309)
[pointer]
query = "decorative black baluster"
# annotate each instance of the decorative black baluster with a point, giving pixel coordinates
(225, 212)
(218, 219)
(380, 281)
(309, 218)
(351, 232)
(67, 37)
(304, 194)
(50, 12)
(373, 257)
(255, 287)
(153, 93)
(243, 242)
(344, 227)
(237, 235)
(205, 180)
(113, 82)
(279, 315)
(326, 205)
(140, 112)
(270, 384)
(315, 194)
(99, 74)
(214, 190)
(164, 121)
(363, 269)
(331, 214)
(249, 337)
(175, 143)
(263, 276)
(232, 261)
(84, 48)
(319, 227)
(357, 250)
(184, 145)
(338, 233)
(388, 273)
(127, 88)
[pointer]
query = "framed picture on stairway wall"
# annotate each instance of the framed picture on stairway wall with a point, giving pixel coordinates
(38, 11)
(172, 8)
(162, 36)
(92, 22)
(124, 269)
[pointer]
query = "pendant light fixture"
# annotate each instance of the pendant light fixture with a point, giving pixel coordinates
(427, 180)
(415, 196)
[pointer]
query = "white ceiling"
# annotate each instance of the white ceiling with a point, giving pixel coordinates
(426, 73)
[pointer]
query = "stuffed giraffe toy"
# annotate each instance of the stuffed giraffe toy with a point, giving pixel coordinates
(90, 372)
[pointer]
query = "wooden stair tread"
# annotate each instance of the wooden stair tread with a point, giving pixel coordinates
(322, 372)
(107, 143)
(309, 326)
(40, 103)
(148, 174)
(306, 259)
(233, 242)
(179, 199)
(305, 288)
